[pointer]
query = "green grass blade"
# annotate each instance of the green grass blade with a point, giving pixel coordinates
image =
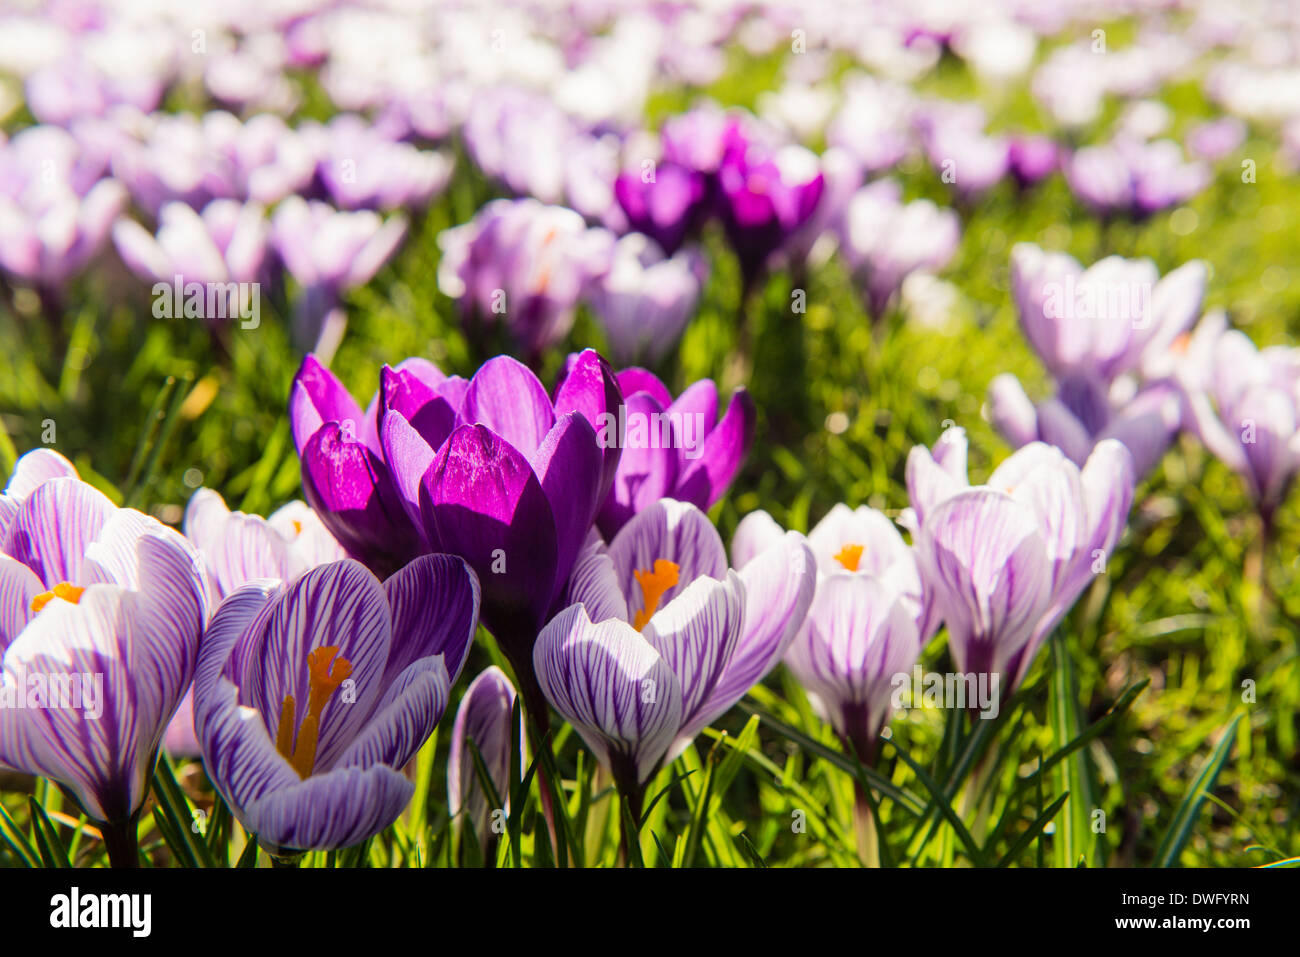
(1180, 828)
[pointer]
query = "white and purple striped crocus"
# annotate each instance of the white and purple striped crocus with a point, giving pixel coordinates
(1002, 563)
(866, 624)
(661, 637)
(484, 717)
(310, 696)
(101, 611)
(1109, 335)
(672, 448)
(1244, 404)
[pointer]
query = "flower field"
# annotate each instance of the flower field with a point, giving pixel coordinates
(591, 434)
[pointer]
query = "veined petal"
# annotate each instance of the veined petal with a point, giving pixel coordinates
(674, 531)
(594, 583)
(36, 468)
(54, 526)
(569, 466)
(756, 532)
(327, 811)
(434, 602)
(505, 396)
(18, 586)
(709, 466)
(403, 719)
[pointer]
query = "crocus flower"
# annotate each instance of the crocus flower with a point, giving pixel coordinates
(101, 610)
(883, 240)
(484, 718)
(344, 476)
(361, 168)
(666, 207)
(1033, 158)
(1244, 404)
(660, 637)
(865, 624)
(513, 488)
(310, 696)
(48, 235)
(1133, 178)
(524, 264)
(764, 195)
(645, 299)
(1002, 563)
(672, 448)
(1215, 139)
(226, 243)
(330, 252)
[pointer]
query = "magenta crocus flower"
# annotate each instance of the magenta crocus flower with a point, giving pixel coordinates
(1131, 177)
(672, 448)
(1244, 404)
(865, 625)
(523, 264)
(1033, 158)
(344, 475)
(666, 208)
(483, 718)
(1002, 563)
(513, 490)
(361, 168)
(101, 610)
(660, 637)
(310, 696)
(645, 299)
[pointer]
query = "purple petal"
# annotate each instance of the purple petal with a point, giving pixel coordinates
(505, 396)
(434, 601)
(674, 531)
(711, 465)
(54, 526)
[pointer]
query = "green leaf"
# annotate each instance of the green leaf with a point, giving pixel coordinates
(973, 850)
(1034, 830)
(17, 840)
(1180, 828)
(180, 816)
(48, 842)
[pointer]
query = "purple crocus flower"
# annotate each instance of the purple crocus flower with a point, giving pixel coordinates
(101, 610)
(1215, 139)
(1244, 404)
(49, 233)
(31, 470)
(645, 299)
(309, 697)
(1033, 158)
(764, 195)
(1130, 177)
(361, 168)
(660, 637)
(1002, 563)
(513, 488)
(672, 448)
(484, 718)
(330, 252)
(226, 243)
(883, 240)
(344, 475)
(864, 626)
(666, 208)
(523, 263)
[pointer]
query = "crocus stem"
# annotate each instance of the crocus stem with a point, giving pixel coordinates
(864, 827)
(632, 797)
(121, 842)
(1255, 572)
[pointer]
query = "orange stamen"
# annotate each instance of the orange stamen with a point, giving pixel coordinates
(849, 556)
(325, 672)
(64, 590)
(654, 584)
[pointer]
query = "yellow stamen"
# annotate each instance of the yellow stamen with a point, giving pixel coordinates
(64, 590)
(849, 556)
(297, 527)
(653, 586)
(325, 672)
(1179, 346)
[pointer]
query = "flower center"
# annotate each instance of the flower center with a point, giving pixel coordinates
(653, 586)
(849, 556)
(297, 527)
(64, 590)
(325, 672)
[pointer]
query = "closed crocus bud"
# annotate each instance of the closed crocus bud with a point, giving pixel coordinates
(225, 243)
(659, 615)
(1033, 158)
(1244, 404)
(666, 207)
(513, 490)
(672, 448)
(483, 718)
(310, 696)
(1004, 562)
(344, 475)
(101, 610)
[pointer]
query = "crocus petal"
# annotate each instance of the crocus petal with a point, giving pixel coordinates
(408, 456)
(318, 397)
(673, 531)
(646, 472)
(18, 586)
(505, 396)
(54, 526)
(756, 532)
(434, 602)
(484, 718)
(431, 414)
(590, 388)
(332, 810)
(36, 468)
(568, 464)
(712, 464)
(403, 719)
(1011, 411)
(634, 380)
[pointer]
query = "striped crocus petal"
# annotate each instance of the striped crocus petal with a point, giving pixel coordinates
(18, 586)
(756, 532)
(236, 547)
(53, 526)
(984, 559)
(646, 472)
(484, 717)
(132, 653)
(933, 476)
(614, 688)
(778, 588)
(32, 469)
(860, 634)
(672, 531)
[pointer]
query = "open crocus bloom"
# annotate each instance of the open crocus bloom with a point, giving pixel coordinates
(672, 448)
(309, 697)
(865, 624)
(660, 637)
(101, 610)
(1002, 563)
(238, 547)
(1244, 404)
